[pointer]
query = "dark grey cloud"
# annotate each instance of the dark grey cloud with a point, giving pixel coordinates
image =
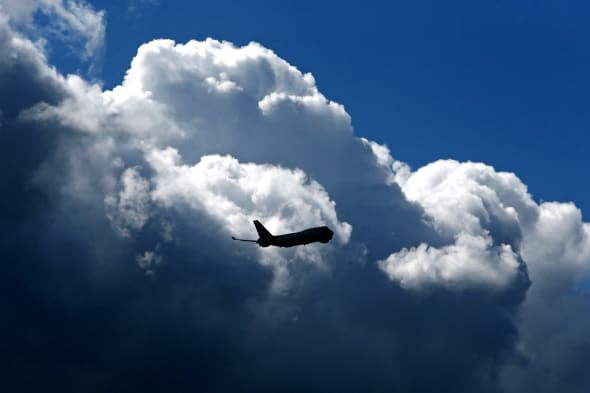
(118, 273)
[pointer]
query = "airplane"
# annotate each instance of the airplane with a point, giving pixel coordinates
(311, 235)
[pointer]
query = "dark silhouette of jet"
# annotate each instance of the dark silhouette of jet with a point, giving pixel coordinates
(311, 235)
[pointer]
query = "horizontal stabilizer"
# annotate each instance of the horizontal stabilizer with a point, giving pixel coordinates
(244, 240)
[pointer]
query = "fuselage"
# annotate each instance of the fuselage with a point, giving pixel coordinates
(311, 235)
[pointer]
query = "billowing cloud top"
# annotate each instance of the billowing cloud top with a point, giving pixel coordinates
(118, 206)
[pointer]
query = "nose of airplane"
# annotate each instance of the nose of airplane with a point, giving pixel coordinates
(326, 235)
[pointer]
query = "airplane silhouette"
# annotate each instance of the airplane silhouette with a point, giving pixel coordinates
(311, 235)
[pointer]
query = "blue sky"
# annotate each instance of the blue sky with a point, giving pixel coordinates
(498, 82)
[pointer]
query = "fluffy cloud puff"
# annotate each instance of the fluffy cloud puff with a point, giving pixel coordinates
(469, 261)
(233, 192)
(200, 138)
(482, 212)
(501, 223)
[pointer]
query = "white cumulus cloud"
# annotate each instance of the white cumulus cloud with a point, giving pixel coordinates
(469, 262)
(235, 193)
(502, 224)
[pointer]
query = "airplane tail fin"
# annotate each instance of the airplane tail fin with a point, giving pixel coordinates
(262, 231)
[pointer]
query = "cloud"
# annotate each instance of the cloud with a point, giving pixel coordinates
(103, 187)
(20, 11)
(149, 261)
(128, 209)
(23, 62)
(232, 193)
(481, 212)
(470, 261)
(476, 205)
(71, 21)
(554, 318)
